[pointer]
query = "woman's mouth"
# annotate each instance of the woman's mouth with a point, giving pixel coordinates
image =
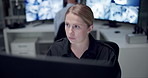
(71, 38)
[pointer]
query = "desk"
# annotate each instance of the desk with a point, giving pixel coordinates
(44, 32)
(132, 57)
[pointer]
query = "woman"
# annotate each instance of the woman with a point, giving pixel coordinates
(79, 43)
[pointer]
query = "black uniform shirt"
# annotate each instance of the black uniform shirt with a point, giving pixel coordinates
(97, 50)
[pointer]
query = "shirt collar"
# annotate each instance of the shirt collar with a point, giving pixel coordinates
(89, 52)
(66, 48)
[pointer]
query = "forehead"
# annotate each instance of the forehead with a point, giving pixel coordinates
(72, 18)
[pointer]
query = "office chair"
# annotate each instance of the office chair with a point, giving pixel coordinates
(61, 32)
(114, 46)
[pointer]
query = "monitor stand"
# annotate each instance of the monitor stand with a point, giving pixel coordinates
(112, 24)
(40, 23)
(37, 24)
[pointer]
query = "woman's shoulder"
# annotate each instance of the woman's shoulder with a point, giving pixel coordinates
(58, 48)
(60, 42)
(106, 51)
(99, 44)
(105, 44)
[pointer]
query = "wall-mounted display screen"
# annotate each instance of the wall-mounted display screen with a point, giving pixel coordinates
(115, 10)
(42, 9)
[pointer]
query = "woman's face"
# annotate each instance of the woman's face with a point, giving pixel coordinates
(76, 29)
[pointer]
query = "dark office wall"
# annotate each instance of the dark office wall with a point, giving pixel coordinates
(143, 21)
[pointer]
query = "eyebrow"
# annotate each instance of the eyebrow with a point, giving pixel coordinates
(76, 23)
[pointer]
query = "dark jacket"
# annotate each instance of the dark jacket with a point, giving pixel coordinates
(96, 51)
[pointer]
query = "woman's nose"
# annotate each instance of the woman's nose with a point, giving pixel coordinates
(70, 30)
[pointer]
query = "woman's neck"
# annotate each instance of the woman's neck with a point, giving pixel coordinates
(79, 48)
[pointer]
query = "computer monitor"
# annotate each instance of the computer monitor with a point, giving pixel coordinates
(125, 11)
(42, 9)
(52, 67)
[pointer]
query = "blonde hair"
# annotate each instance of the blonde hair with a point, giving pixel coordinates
(83, 12)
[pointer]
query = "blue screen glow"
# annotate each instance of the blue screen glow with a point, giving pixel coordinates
(115, 10)
(42, 9)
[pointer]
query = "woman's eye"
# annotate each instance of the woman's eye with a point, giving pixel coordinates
(67, 25)
(77, 27)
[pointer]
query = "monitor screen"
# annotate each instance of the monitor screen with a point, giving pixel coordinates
(42, 9)
(52, 67)
(115, 10)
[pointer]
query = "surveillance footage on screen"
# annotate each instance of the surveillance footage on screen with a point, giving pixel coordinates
(42, 9)
(115, 10)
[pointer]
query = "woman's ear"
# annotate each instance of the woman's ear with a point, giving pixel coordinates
(90, 28)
